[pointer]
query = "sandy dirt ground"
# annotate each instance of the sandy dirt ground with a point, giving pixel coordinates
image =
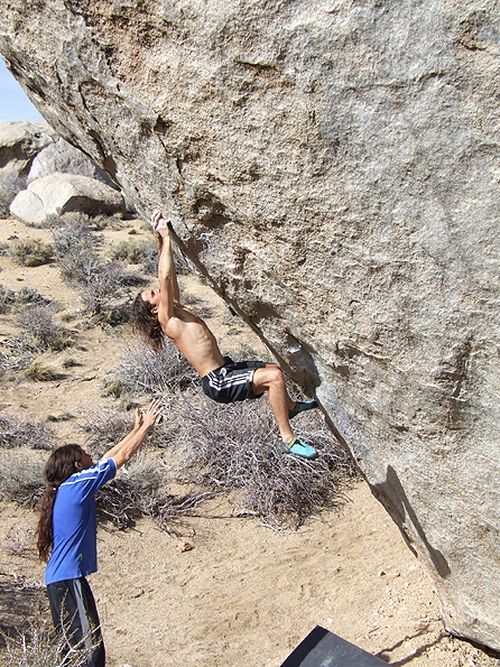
(245, 594)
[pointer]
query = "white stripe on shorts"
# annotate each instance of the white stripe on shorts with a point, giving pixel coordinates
(234, 380)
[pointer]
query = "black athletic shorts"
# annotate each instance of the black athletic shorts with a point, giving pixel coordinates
(232, 381)
(75, 618)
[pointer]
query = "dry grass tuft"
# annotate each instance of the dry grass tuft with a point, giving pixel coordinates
(39, 372)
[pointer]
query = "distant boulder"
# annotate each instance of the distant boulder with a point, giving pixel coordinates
(20, 142)
(62, 157)
(61, 193)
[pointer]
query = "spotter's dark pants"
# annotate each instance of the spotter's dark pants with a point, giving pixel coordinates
(75, 617)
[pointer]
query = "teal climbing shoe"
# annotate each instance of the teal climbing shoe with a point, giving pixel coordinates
(302, 406)
(300, 448)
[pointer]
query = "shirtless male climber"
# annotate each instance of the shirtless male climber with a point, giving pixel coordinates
(158, 313)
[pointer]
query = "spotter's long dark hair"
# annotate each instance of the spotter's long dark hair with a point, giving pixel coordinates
(146, 323)
(61, 464)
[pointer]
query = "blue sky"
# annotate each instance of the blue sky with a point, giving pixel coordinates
(14, 104)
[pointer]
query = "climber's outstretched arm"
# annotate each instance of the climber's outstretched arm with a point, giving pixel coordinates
(167, 274)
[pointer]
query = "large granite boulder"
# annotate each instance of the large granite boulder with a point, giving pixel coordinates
(330, 165)
(62, 193)
(20, 142)
(64, 158)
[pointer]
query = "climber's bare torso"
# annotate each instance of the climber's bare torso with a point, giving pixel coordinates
(193, 339)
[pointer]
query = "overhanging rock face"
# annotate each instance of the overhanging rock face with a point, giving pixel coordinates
(331, 165)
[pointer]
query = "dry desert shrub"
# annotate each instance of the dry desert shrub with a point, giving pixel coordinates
(105, 427)
(99, 281)
(41, 332)
(7, 299)
(31, 252)
(18, 541)
(141, 491)
(143, 371)
(19, 431)
(74, 232)
(10, 299)
(135, 251)
(39, 646)
(17, 355)
(28, 295)
(105, 221)
(97, 223)
(237, 448)
(49, 222)
(21, 478)
(10, 186)
(149, 264)
(201, 308)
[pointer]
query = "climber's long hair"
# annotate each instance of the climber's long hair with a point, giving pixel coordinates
(61, 464)
(146, 323)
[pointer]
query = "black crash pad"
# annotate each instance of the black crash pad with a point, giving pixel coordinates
(322, 648)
